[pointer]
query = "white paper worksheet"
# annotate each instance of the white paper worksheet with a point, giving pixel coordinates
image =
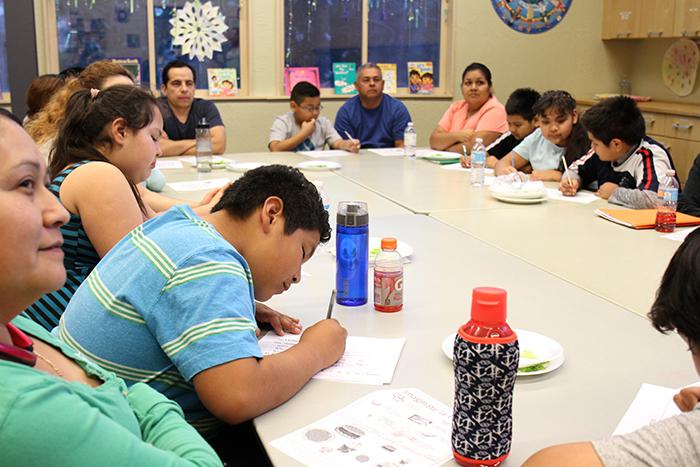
(582, 197)
(385, 428)
(168, 164)
(387, 152)
(367, 360)
(198, 185)
(651, 404)
(327, 153)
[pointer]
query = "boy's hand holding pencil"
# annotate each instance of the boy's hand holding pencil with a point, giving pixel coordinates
(351, 144)
(568, 186)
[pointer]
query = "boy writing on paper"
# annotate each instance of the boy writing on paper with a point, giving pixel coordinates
(303, 128)
(172, 304)
(624, 165)
(675, 440)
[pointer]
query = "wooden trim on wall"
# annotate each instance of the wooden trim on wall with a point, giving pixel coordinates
(151, 32)
(244, 47)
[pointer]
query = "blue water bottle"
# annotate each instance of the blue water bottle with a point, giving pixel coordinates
(352, 255)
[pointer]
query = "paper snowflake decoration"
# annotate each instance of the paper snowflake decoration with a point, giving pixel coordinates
(198, 28)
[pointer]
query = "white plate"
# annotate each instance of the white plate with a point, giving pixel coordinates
(244, 166)
(518, 200)
(438, 155)
(317, 165)
(541, 347)
(217, 162)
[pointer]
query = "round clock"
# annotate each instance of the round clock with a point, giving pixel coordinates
(531, 16)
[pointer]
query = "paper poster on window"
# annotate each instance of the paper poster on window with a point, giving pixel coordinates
(294, 75)
(389, 76)
(344, 74)
(222, 81)
(420, 77)
(132, 65)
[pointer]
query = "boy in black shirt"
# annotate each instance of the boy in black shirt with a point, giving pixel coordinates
(521, 122)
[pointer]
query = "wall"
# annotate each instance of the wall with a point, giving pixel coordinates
(571, 56)
(646, 73)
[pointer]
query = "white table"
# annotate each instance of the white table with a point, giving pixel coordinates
(580, 298)
(609, 351)
(619, 264)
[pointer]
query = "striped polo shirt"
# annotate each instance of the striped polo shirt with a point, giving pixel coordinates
(171, 299)
(79, 257)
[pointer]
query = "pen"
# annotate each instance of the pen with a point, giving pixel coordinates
(566, 170)
(512, 158)
(350, 137)
(331, 304)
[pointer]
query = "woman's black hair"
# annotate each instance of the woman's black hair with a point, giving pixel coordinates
(83, 134)
(479, 67)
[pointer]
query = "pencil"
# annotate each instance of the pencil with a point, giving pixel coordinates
(566, 170)
(331, 304)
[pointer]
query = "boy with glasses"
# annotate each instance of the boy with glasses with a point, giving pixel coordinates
(303, 128)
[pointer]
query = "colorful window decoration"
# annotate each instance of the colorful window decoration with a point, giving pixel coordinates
(531, 16)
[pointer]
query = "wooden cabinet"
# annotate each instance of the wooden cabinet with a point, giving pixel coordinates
(655, 123)
(620, 18)
(656, 19)
(687, 22)
(642, 19)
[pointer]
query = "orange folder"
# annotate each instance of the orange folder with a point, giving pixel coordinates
(642, 218)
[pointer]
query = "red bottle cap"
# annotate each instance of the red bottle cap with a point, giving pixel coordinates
(489, 304)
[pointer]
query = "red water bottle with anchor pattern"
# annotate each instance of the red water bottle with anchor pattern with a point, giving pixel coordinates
(485, 361)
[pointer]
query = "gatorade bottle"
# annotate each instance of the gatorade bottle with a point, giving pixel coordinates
(388, 278)
(486, 356)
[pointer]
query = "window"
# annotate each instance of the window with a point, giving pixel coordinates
(403, 31)
(318, 33)
(4, 81)
(91, 31)
(138, 33)
(228, 57)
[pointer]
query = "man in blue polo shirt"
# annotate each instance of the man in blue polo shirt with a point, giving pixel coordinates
(182, 111)
(376, 119)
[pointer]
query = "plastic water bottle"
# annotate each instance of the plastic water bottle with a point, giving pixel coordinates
(203, 154)
(486, 356)
(322, 194)
(666, 204)
(351, 253)
(409, 141)
(388, 278)
(478, 162)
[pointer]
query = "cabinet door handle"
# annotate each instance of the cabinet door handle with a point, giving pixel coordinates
(681, 126)
(650, 123)
(623, 34)
(657, 34)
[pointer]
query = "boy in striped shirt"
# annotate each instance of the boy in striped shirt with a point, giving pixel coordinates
(173, 303)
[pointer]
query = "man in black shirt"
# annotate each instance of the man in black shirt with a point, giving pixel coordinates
(182, 111)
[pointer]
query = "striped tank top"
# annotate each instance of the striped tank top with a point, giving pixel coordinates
(79, 258)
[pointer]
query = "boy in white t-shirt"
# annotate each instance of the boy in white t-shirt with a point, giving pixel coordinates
(303, 128)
